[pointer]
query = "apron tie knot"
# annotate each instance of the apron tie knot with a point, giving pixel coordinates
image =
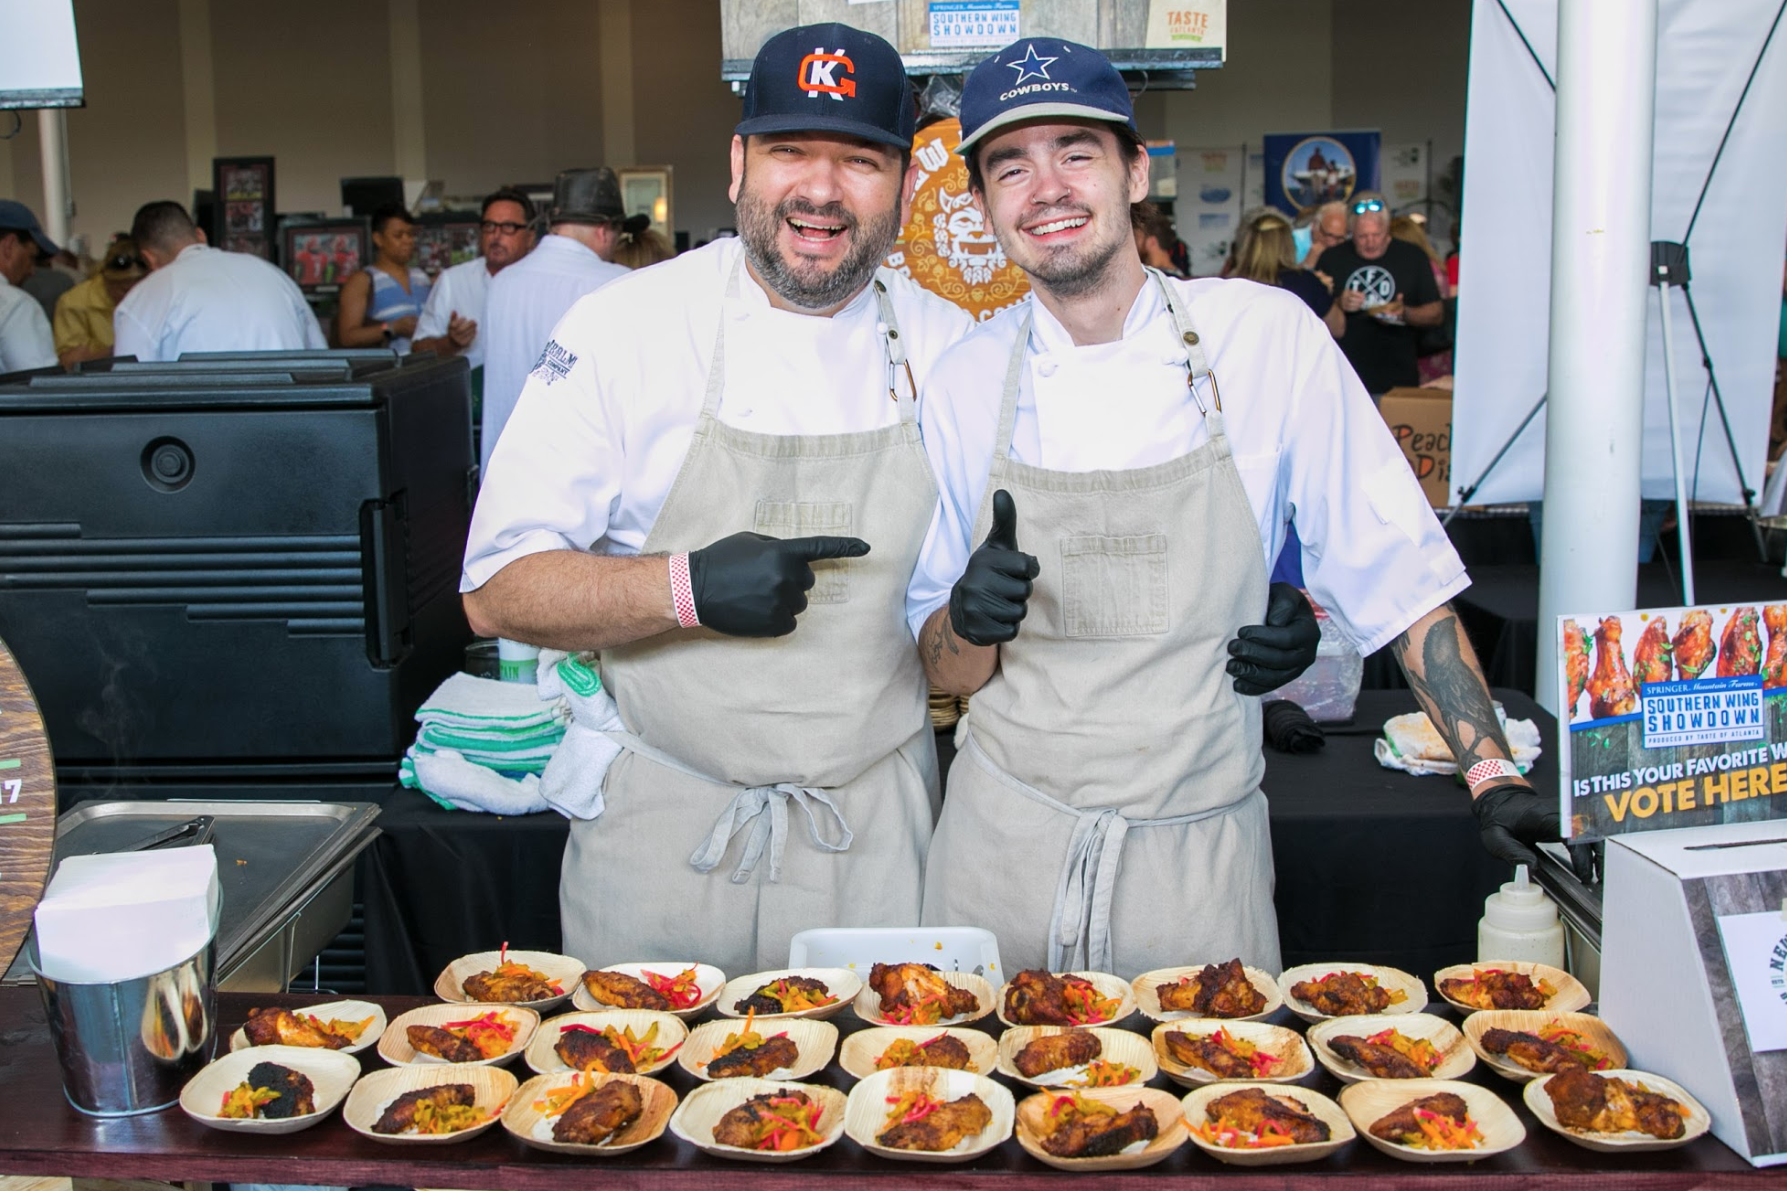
(1080, 935)
(764, 810)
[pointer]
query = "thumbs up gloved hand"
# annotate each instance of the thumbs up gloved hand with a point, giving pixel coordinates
(751, 585)
(1263, 657)
(993, 593)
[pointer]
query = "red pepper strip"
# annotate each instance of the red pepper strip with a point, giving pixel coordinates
(578, 1028)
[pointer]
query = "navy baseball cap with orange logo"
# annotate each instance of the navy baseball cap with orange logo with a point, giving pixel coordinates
(1040, 77)
(830, 78)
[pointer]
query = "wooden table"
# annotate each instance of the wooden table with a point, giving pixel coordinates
(41, 1135)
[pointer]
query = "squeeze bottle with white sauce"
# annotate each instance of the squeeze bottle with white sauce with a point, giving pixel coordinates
(1520, 923)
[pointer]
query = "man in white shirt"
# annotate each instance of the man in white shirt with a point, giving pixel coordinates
(448, 325)
(706, 448)
(201, 299)
(25, 337)
(1105, 745)
(526, 301)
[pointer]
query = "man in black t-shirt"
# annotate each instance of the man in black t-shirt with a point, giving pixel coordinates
(1387, 290)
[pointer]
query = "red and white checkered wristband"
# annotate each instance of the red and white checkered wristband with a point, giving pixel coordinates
(1484, 771)
(682, 593)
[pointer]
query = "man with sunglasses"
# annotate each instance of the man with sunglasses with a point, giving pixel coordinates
(1386, 289)
(84, 314)
(448, 324)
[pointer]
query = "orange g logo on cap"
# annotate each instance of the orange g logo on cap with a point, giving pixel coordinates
(818, 74)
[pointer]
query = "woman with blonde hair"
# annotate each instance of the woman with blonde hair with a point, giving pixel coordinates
(1268, 255)
(640, 244)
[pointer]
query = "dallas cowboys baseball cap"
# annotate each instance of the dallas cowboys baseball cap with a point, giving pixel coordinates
(17, 217)
(830, 78)
(1039, 77)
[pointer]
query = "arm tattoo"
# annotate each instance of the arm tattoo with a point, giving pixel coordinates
(1452, 694)
(940, 636)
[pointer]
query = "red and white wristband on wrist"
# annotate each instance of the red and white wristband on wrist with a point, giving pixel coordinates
(682, 592)
(1484, 771)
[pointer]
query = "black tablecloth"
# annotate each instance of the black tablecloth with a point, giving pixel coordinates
(1373, 865)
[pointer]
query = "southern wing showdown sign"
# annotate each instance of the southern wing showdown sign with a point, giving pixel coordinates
(947, 247)
(1677, 717)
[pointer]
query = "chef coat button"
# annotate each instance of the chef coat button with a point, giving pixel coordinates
(1191, 337)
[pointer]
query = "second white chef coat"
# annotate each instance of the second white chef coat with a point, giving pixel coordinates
(461, 289)
(209, 300)
(526, 301)
(25, 338)
(607, 415)
(1307, 441)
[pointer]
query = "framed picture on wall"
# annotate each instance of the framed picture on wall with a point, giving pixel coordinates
(645, 190)
(320, 254)
(243, 215)
(444, 239)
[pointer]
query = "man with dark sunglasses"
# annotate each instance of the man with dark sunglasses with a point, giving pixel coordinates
(1387, 291)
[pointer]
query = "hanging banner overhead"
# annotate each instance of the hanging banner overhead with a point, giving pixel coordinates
(947, 247)
(1307, 169)
(1188, 24)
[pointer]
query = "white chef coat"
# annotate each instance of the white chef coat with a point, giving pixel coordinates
(526, 301)
(463, 290)
(608, 413)
(25, 338)
(1307, 441)
(209, 300)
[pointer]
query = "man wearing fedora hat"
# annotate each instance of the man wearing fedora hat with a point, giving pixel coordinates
(25, 339)
(527, 299)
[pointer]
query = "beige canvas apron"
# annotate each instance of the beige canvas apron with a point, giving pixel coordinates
(698, 855)
(1105, 810)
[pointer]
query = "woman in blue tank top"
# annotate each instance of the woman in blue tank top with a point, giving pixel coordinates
(379, 305)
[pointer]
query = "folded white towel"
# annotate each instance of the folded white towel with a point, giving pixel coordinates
(472, 702)
(572, 782)
(449, 778)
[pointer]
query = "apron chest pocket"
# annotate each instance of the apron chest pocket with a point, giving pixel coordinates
(1114, 587)
(806, 518)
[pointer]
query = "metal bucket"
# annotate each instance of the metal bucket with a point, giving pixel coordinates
(129, 1047)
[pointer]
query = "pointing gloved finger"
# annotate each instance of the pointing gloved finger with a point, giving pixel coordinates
(1004, 533)
(816, 549)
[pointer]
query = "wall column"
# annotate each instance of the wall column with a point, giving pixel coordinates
(409, 148)
(199, 93)
(616, 26)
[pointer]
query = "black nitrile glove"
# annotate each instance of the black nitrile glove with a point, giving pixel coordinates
(750, 585)
(1263, 657)
(1511, 819)
(993, 593)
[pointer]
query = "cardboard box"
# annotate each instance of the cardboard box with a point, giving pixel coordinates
(1693, 941)
(1421, 420)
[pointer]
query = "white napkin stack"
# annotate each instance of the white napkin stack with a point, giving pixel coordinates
(126, 915)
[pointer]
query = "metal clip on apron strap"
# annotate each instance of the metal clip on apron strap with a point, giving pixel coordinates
(1195, 364)
(896, 346)
(764, 809)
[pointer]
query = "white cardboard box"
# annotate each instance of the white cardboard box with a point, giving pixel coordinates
(1693, 945)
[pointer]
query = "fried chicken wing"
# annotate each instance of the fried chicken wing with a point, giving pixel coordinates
(1653, 658)
(1034, 997)
(509, 983)
(1055, 1051)
(1575, 664)
(1740, 646)
(1608, 1104)
(1249, 1108)
(1532, 1052)
(1204, 1051)
(282, 1027)
(296, 1094)
(594, 1119)
(1219, 990)
(1694, 644)
(1496, 989)
(1774, 664)
(624, 992)
(941, 1051)
(444, 1044)
(1401, 1126)
(1384, 1062)
(1079, 1134)
(400, 1114)
(1342, 994)
(765, 1000)
(763, 1060)
(743, 1125)
(1610, 686)
(918, 993)
(585, 1050)
(942, 1129)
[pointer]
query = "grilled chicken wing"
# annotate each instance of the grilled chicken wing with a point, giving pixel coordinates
(942, 1051)
(583, 1050)
(1653, 658)
(773, 1055)
(624, 992)
(1740, 646)
(1055, 1051)
(906, 986)
(1575, 664)
(594, 1119)
(1488, 989)
(282, 1027)
(400, 1114)
(1774, 665)
(1086, 1135)
(1220, 990)
(740, 1126)
(509, 986)
(1607, 1104)
(1532, 1052)
(1694, 644)
(1202, 1050)
(940, 1130)
(444, 1044)
(1402, 1128)
(1384, 1062)
(297, 1095)
(765, 1001)
(1250, 1107)
(1342, 994)
(1610, 686)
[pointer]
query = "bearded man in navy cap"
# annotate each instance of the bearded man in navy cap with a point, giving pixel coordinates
(713, 483)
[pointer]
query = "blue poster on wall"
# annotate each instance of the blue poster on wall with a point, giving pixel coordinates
(1307, 169)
